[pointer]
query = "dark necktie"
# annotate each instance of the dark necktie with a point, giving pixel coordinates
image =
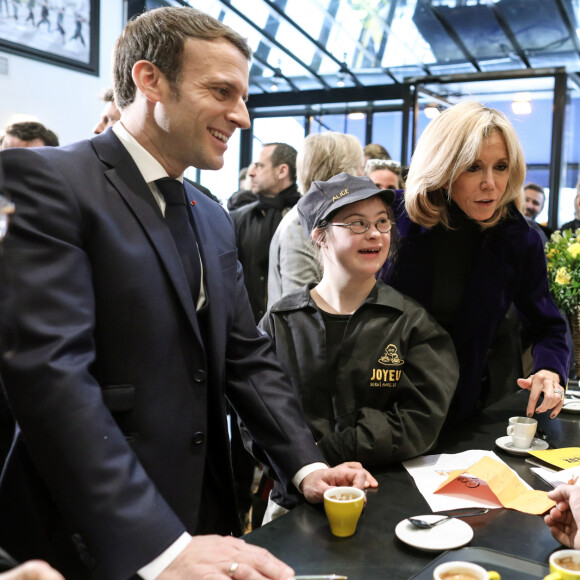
(177, 218)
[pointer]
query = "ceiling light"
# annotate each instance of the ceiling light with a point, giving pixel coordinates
(521, 107)
(274, 87)
(356, 116)
(431, 111)
(521, 104)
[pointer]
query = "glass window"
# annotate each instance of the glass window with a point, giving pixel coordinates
(571, 158)
(387, 131)
(277, 129)
(351, 124)
(224, 182)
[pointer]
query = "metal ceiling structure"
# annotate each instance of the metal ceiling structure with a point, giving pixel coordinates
(324, 45)
(325, 57)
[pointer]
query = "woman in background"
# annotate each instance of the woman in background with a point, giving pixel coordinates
(385, 173)
(467, 253)
(292, 260)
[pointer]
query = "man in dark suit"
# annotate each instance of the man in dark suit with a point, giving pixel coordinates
(121, 348)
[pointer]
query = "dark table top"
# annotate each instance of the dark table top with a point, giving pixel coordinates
(302, 538)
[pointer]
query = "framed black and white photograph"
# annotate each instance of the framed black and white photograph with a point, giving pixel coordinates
(61, 32)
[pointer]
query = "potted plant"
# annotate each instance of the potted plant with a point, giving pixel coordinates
(563, 260)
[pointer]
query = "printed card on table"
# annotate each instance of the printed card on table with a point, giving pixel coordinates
(569, 476)
(563, 458)
(474, 478)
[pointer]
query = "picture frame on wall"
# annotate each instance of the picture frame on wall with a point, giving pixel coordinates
(60, 32)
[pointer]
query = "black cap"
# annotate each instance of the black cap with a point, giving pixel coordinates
(326, 197)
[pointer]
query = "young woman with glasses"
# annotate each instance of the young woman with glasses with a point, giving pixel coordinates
(374, 371)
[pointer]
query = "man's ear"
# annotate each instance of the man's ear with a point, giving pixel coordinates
(149, 80)
(283, 171)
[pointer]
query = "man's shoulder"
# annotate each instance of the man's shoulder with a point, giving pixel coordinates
(69, 160)
(573, 225)
(242, 213)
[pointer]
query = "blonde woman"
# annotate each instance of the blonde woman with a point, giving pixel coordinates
(467, 253)
(374, 371)
(292, 261)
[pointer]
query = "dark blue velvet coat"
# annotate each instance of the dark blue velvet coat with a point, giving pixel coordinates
(509, 268)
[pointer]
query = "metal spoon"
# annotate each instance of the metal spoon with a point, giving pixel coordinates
(425, 525)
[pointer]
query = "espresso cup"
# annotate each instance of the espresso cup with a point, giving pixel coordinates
(463, 571)
(522, 431)
(564, 565)
(343, 506)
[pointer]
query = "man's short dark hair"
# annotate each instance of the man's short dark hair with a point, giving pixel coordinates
(284, 153)
(375, 151)
(159, 36)
(535, 187)
(31, 130)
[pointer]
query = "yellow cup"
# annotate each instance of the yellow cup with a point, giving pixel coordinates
(463, 570)
(343, 506)
(562, 563)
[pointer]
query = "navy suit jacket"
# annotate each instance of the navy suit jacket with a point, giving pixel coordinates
(116, 392)
(510, 267)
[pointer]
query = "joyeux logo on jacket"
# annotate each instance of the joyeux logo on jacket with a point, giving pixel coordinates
(390, 375)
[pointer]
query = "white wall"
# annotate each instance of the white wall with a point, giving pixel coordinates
(66, 101)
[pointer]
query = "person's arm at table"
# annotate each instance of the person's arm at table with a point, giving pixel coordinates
(215, 554)
(546, 383)
(564, 517)
(32, 570)
(547, 330)
(350, 473)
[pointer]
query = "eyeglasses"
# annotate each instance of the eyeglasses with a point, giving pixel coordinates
(361, 226)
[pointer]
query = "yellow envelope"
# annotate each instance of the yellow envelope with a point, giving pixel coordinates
(562, 458)
(504, 484)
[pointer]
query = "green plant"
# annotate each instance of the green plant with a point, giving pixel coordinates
(563, 257)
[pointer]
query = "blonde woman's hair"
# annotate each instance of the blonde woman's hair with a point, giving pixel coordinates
(447, 147)
(324, 155)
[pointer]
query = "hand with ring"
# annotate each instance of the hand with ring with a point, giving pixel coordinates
(547, 384)
(225, 557)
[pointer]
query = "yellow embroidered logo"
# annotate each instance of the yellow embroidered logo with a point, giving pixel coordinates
(388, 377)
(340, 195)
(391, 356)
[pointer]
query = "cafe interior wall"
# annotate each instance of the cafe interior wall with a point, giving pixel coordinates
(65, 100)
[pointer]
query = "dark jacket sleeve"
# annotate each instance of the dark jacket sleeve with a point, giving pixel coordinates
(542, 319)
(274, 428)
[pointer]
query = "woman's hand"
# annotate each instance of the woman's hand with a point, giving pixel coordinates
(545, 383)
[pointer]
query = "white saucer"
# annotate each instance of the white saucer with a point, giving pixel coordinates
(506, 444)
(451, 534)
(571, 406)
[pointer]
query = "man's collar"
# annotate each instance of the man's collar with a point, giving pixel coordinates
(148, 166)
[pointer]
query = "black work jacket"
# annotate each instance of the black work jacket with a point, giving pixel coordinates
(395, 378)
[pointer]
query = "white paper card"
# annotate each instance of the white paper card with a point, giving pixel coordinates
(430, 471)
(569, 476)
